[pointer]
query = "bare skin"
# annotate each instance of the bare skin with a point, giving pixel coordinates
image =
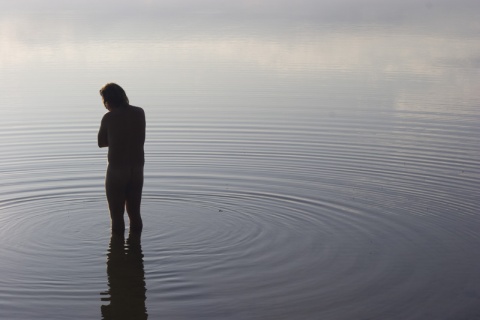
(123, 131)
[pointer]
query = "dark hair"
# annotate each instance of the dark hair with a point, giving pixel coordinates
(114, 95)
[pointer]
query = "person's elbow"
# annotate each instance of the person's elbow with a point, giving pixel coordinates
(102, 144)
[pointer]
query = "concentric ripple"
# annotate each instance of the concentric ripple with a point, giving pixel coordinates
(296, 169)
(243, 222)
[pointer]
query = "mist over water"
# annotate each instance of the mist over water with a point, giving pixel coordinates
(304, 160)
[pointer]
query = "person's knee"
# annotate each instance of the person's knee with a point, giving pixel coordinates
(118, 226)
(136, 225)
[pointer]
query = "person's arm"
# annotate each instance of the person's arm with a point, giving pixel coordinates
(102, 133)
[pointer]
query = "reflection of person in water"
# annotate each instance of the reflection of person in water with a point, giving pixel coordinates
(126, 280)
(123, 131)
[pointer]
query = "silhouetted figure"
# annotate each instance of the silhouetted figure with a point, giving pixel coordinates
(126, 280)
(123, 131)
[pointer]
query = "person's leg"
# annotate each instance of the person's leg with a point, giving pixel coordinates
(115, 186)
(134, 199)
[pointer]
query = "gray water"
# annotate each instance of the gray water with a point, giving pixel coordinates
(304, 159)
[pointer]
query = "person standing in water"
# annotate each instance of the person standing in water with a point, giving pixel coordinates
(122, 130)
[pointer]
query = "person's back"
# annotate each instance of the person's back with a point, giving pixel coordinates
(123, 131)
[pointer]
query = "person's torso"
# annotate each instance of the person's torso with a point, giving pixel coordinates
(126, 136)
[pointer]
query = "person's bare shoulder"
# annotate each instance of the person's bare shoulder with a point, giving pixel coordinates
(107, 116)
(106, 119)
(137, 109)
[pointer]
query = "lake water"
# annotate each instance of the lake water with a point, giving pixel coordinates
(304, 159)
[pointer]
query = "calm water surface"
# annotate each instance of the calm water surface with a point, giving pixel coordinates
(307, 160)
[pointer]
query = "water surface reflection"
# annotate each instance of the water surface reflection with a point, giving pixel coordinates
(304, 160)
(126, 280)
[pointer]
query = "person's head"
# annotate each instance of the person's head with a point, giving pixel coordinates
(113, 96)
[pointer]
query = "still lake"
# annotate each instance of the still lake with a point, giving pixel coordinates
(304, 159)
